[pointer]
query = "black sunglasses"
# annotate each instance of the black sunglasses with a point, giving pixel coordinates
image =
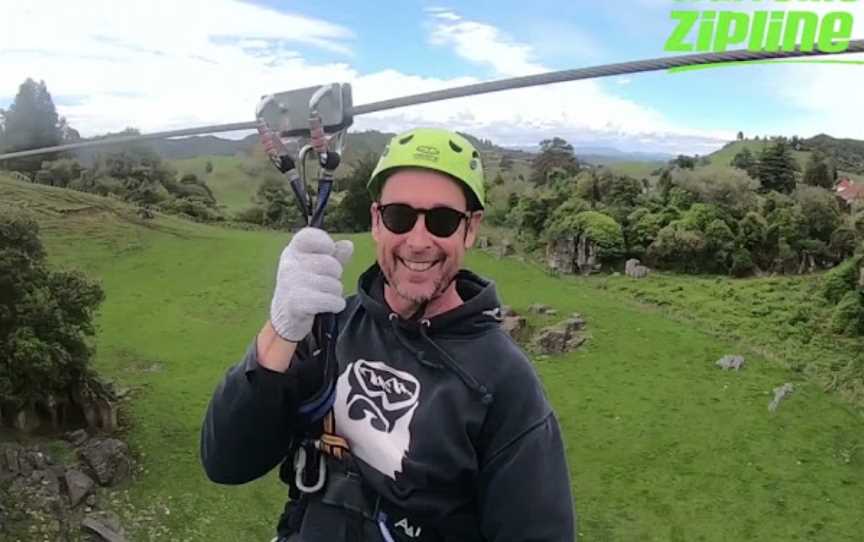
(440, 221)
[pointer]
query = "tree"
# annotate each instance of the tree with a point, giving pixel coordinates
(555, 153)
(45, 316)
(208, 167)
(31, 122)
(684, 162)
(777, 167)
(277, 201)
(740, 136)
(821, 211)
(818, 172)
(352, 213)
(745, 160)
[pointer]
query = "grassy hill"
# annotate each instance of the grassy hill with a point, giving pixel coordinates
(661, 444)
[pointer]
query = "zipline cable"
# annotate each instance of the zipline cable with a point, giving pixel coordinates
(605, 70)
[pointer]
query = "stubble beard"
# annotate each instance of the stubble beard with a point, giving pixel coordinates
(440, 285)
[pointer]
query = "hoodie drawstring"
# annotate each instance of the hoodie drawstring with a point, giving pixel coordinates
(448, 361)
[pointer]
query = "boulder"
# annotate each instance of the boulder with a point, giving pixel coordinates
(562, 337)
(515, 326)
(780, 393)
(108, 460)
(552, 341)
(586, 256)
(539, 308)
(572, 325)
(9, 466)
(561, 256)
(634, 269)
(78, 437)
(730, 362)
(504, 249)
(106, 525)
(78, 486)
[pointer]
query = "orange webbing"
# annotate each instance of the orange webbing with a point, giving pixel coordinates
(331, 443)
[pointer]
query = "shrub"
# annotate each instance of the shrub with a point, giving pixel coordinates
(848, 316)
(45, 316)
(742, 263)
(841, 280)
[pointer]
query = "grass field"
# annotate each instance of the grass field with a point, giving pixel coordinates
(661, 444)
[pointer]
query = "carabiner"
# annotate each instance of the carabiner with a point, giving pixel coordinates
(300, 469)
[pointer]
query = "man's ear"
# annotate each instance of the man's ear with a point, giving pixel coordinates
(376, 220)
(473, 228)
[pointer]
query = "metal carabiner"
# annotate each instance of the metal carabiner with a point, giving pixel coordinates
(300, 469)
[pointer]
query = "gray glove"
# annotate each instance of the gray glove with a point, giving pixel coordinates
(308, 282)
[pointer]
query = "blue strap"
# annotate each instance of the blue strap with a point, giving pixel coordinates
(315, 410)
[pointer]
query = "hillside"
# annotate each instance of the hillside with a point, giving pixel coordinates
(651, 426)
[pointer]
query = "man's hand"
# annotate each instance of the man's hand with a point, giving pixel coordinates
(308, 282)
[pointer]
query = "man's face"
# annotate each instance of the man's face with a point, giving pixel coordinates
(419, 266)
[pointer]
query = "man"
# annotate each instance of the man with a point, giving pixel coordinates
(439, 429)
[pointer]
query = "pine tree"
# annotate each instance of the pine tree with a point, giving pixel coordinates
(31, 122)
(776, 168)
(818, 172)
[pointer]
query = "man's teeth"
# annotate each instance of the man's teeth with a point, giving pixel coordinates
(418, 266)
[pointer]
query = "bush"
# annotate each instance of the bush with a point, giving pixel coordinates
(841, 280)
(251, 215)
(45, 316)
(742, 263)
(842, 243)
(678, 248)
(848, 316)
(192, 208)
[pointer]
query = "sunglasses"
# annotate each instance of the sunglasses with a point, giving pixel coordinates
(440, 221)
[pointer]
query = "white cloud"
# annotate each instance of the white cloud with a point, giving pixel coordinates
(163, 65)
(482, 43)
(827, 95)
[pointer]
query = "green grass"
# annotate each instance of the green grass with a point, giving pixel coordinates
(230, 181)
(723, 157)
(661, 444)
(637, 170)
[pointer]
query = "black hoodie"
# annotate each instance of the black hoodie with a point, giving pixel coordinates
(446, 418)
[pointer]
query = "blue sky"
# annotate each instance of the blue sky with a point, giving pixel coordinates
(161, 65)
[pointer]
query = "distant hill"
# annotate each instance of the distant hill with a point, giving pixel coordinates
(608, 155)
(190, 147)
(849, 153)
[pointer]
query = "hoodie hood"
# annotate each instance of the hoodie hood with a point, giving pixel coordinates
(479, 312)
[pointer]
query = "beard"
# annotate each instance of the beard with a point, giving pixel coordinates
(416, 293)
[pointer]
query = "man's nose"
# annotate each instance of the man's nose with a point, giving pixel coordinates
(419, 236)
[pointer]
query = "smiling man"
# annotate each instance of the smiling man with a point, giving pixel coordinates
(439, 429)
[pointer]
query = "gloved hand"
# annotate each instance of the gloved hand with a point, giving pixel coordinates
(308, 282)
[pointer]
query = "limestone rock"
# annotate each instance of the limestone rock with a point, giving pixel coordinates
(539, 308)
(78, 485)
(730, 362)
(78, 437)
(108, 459)
(780, 393)
(106, 525)
(564, 337)
(634, 269)
(514, 325)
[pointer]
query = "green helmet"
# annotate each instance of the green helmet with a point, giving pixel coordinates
(435, 149)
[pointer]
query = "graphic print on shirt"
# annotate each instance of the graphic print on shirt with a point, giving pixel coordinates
(374, 406)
